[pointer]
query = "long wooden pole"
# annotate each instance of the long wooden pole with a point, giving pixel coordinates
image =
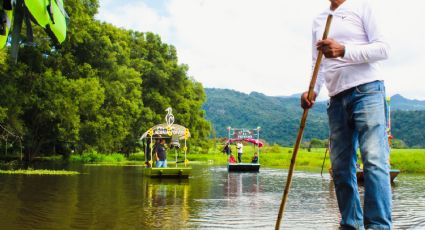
(323, 163)
(301, 129)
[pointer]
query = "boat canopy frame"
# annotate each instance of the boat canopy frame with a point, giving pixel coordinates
(169, 130)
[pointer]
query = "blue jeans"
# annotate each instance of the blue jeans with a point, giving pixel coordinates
(357, 119)
(161, 164)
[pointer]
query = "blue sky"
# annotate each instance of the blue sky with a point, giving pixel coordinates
(265, 45)
(158, 5)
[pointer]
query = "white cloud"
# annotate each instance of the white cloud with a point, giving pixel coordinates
(265, 45)
(247, 45)
(136, 16)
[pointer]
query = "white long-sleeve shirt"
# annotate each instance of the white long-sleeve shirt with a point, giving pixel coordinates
(354, 26)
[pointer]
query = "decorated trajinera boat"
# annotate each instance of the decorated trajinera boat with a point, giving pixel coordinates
(173, 133)
(360, 174)
(393, 175)
(237, 135)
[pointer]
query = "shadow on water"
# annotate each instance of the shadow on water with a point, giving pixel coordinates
(111, 197)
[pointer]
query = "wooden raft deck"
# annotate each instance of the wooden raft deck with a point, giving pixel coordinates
(179, 172)
(360, 175)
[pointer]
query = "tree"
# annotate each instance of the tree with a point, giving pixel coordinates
(100, 90)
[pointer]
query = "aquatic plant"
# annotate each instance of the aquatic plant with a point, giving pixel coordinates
(39, 172)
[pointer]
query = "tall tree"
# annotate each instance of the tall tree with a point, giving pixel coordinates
(100, 90)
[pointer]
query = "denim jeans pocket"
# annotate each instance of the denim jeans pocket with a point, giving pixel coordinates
(375, 87)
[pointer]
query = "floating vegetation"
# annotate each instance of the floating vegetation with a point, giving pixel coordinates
(39, 172)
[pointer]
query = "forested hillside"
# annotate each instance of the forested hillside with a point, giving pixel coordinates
(100, 90)
(279, 117)
(399, 102)
(409, 126)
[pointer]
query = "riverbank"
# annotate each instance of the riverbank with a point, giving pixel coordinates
(405, 160)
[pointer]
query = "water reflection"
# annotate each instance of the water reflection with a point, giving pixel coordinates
(166, 203)
(121, 198)
(235, 202)
(240, 184)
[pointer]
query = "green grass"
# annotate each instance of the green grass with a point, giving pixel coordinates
(137, 157)
(39, 172)
(406, 160)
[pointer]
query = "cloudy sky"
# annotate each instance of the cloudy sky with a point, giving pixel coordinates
(265, 45)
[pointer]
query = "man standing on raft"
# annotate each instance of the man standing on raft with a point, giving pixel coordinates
(356, 110)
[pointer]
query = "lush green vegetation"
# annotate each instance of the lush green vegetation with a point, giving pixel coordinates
(39, 172)
(94, 157)
(279, 117)
(100, 90)
(409, 160)
(409, 126)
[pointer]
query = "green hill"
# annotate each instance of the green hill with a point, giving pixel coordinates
(279, 117)
(399, 102)
(409, 126)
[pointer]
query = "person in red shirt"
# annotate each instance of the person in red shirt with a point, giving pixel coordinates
(232, 159)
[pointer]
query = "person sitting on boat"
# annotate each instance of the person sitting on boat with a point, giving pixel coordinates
(161, 154)
(232, 159)
(255, 158)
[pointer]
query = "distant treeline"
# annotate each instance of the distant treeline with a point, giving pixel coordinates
(409, 126)
(279, 118)
(100, 90)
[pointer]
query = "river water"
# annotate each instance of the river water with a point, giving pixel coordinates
(119, 197)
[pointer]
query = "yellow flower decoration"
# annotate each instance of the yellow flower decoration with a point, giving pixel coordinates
(186, 162)
(150, 132)
(185, 148)
(169, 132)
(186, 133)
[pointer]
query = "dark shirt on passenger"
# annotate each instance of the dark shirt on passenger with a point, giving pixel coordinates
(160, 150)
